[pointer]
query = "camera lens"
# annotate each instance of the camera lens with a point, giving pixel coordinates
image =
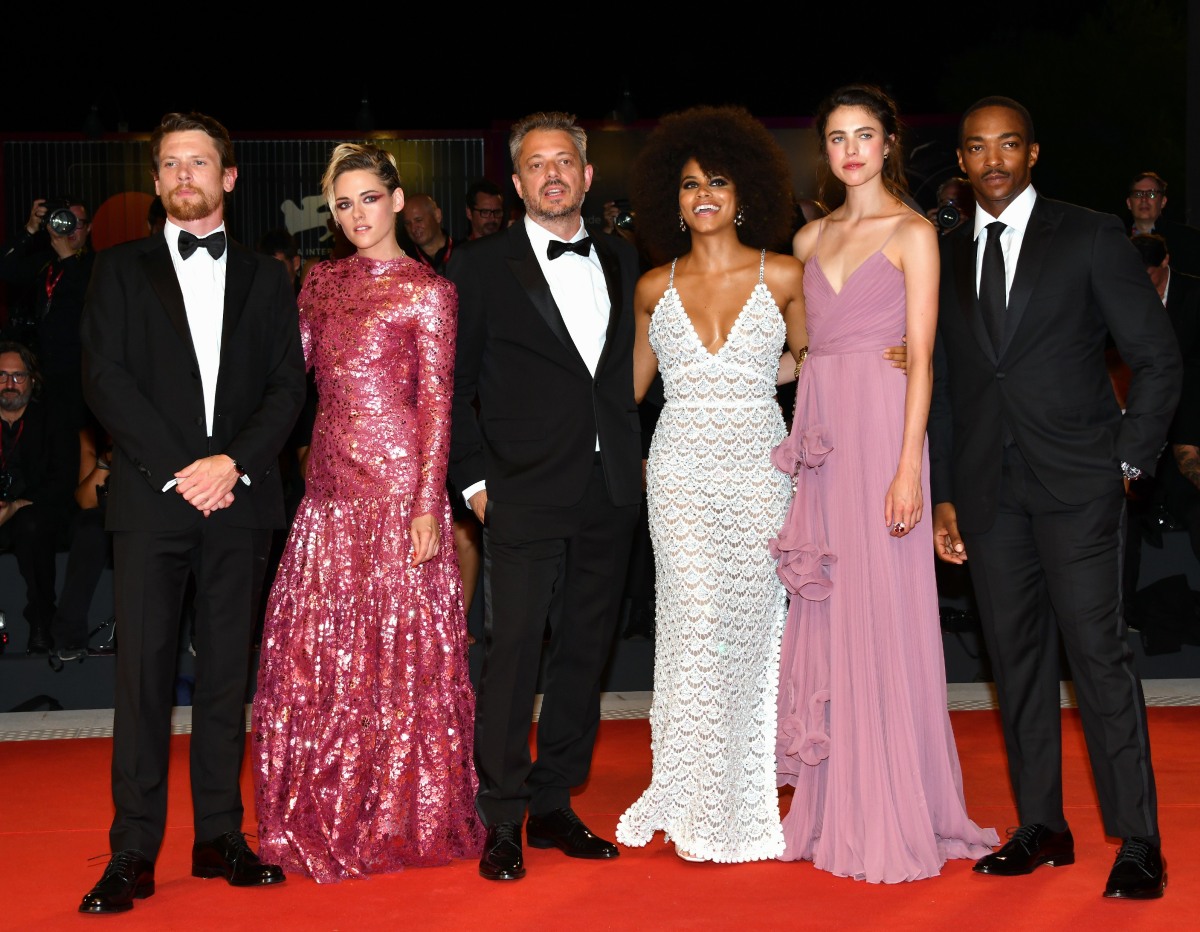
(948, 217)
(62, 220)
(624, 220)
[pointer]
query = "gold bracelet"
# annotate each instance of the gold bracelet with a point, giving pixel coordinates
(803, 355)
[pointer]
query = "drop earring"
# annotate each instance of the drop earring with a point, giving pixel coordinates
(739, 218)
(682, 225)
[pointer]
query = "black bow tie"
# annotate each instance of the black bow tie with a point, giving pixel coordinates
(214, 243)
(557, 247)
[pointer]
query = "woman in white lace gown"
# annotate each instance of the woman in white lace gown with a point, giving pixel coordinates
(712, 188)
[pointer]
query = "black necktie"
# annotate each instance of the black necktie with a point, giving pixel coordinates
(557, 247)
(992, 291)
(214, 243)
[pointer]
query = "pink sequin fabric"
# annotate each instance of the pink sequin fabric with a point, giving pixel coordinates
(363, 716)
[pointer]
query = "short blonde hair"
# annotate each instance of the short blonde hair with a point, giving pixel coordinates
(350, 157)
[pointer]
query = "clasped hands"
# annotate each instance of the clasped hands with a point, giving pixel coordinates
(207, 484)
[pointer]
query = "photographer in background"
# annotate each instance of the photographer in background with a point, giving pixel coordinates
(955, 205)
(39, 467)
(49, 262)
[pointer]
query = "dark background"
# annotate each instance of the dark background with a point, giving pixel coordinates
(1105, 79)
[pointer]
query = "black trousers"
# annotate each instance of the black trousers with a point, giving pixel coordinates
(566, 564)
(91, 549)
(31, 535)
(1044, 569)
(150, 572)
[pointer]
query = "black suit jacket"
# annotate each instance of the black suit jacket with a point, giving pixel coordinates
(1078, 278)
(142, 381)
(539, 408)
(1183, 306)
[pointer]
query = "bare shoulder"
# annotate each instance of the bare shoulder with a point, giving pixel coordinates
(805, 240)
(915, 236)
(650, 287)
(784, 273)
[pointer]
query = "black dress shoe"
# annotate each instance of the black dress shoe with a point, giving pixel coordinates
(230, 857)
(1139, 873)
(1030, 847)
(128, 877)
(564, 830)
(502, 856)
(39, 641)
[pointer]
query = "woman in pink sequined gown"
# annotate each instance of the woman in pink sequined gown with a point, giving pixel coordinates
(864, 734)
(363, 717)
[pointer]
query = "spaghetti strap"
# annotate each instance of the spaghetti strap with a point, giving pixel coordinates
(820, 233)
(899, 223)
(762, 263)
(671, 284)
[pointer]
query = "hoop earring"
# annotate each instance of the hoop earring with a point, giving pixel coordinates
(739, 218)
(682, 225)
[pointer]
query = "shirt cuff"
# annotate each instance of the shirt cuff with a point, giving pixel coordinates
(472, 489)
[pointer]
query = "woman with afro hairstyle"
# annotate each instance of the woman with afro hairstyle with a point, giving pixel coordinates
(711, 187)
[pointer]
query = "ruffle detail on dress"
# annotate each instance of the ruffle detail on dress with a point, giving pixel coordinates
(808, 739)
(808, 447)
(802, 567)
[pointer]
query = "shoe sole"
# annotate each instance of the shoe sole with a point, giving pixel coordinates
(547, 843)
(212, 873)
(139, 893)
(1061, 860)
(502, 875)
(1155, 894)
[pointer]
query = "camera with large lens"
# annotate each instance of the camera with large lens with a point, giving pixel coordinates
(6, 484)
(948, 216)
(59, 217)
(624, 219)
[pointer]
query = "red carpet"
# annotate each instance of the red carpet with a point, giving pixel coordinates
(56, 808)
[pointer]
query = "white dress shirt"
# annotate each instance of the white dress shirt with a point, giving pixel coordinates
(1016, 218)
(202, 281)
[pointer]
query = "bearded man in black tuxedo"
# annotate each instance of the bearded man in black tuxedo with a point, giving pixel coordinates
(192, 363)
(551, 463)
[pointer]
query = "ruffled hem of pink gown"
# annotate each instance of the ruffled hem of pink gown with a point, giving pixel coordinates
(364, 715)
(805, 565)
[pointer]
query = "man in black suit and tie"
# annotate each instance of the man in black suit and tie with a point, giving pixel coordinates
(1027, 451)
(551, 463)
(192, 363)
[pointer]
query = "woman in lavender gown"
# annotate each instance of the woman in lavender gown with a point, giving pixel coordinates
(363, 717)
(864, 734)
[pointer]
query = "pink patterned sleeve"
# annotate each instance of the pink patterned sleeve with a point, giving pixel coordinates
(436, 329)
(306, 301)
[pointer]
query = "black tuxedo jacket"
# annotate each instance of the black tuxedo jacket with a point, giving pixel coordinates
(539, 408)
(142, 381)
(1078, 278)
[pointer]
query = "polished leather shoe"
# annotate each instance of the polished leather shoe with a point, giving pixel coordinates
(502, 856)
(128, 877)
(1030, 847)
(564, 830)
(230, 857)
(1139, 873)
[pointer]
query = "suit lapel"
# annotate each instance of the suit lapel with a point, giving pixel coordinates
(1035, 247)
(239, 274)
(962, 253)
(160, 272)
(612, 278)
(524, 265)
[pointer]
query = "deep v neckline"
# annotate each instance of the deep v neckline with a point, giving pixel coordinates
(737, 320)
(837, 293)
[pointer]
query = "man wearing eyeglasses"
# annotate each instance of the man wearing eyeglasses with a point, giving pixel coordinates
(39, 465)
(1146, 201)
(485, 209)
(50, 259)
